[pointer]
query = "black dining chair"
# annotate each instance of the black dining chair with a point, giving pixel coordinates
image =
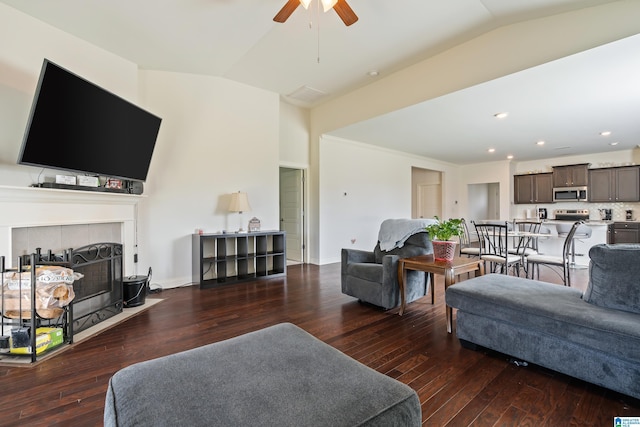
(559, 264)
(582, 232)
(495, 245)
(466, 247)
(528, 245)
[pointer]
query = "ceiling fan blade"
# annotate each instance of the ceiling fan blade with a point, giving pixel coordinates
(286, 10)
(345, 12)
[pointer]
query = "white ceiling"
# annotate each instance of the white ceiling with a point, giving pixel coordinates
(237, 39)
(566, 103)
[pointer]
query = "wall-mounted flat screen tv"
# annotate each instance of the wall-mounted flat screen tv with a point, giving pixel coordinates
(77, 126)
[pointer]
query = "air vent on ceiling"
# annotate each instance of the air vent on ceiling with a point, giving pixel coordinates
(306, 94)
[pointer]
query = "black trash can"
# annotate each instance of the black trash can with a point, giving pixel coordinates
(135, 290)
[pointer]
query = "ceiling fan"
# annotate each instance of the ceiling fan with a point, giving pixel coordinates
(341, 7)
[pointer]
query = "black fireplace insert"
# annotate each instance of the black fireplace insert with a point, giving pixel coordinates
(98, 295)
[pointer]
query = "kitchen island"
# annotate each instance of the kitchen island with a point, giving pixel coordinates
(553, 244)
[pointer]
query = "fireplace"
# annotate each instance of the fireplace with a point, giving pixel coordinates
(66, 219)
(98, 294)
(62, 219)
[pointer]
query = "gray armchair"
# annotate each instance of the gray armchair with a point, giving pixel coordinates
(372, 277)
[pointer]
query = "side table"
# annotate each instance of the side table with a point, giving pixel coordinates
(449, 269)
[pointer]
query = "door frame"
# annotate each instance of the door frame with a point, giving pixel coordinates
(302, 210)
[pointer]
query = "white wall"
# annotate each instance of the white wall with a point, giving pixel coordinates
(294, 136)
(362, 185)
(478, 202)
(598, 160)
(25, 44)
(498, 173)
(217, 137)
(491, 55)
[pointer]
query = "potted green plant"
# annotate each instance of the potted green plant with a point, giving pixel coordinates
(441, 234)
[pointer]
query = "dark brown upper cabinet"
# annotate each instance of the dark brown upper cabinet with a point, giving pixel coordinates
(621, 184)
(533, 188)
(571, 175)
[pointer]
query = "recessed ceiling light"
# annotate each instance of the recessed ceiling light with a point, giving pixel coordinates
(500, 115)
(491, 150)
(540, 143)
(614, 143)
(509, 157)
(605, 133)
(373, 73)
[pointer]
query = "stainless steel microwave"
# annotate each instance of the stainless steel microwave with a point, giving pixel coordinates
(570, 194)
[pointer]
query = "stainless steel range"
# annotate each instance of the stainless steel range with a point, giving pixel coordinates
(571, 214)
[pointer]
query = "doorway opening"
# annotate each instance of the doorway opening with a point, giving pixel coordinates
(292, 212)
(426, 188)
(484, 201)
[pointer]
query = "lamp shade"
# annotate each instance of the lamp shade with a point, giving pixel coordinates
(239, 202)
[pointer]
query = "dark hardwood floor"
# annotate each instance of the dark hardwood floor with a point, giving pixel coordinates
(457, 387)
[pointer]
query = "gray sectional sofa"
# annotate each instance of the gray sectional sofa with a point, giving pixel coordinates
(593, 336)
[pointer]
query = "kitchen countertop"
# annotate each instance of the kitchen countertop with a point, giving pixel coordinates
(594, 222)
(587, 222)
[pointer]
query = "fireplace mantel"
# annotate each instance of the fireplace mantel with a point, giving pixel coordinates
(27, 194)
(33, 207)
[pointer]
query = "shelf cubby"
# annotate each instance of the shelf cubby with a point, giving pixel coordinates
(220, 259)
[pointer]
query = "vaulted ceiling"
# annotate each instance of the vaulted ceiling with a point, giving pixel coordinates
(314, 57)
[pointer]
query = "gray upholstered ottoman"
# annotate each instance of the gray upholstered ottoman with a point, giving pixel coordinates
(279, 376)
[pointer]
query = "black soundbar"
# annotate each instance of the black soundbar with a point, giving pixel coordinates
(82, 187)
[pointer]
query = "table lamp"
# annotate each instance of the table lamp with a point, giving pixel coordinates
(239, 203)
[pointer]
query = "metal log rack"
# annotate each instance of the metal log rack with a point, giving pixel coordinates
(34, 321)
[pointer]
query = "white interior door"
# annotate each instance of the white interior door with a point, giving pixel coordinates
(292, 211)
(429, 200)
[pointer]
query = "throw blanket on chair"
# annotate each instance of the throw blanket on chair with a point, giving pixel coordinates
(394, 232)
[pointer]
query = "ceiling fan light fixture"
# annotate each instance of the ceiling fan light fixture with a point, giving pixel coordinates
(328, 4)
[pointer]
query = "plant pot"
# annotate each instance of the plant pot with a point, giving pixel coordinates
(444, 250)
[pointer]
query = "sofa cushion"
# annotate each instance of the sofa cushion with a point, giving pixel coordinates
(366, 271)
(614, 277)
(417, 244)
(550, 309)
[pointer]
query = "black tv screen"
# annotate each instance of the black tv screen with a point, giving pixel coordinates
(77, 126)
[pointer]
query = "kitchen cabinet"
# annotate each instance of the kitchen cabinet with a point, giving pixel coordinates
(533, 188)
(610, 232)
(620, 184)
(571, 175)
(626, 232)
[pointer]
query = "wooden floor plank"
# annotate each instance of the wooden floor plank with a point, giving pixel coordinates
(456, 386)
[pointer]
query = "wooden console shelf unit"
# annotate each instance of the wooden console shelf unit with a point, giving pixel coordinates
(221, 259)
